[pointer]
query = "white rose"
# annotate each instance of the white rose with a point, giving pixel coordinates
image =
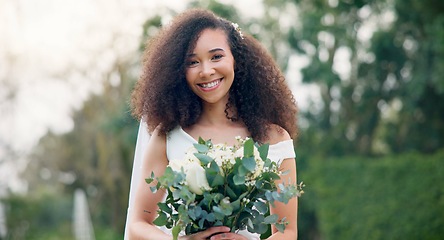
(177, 165)
(190, 157)
(196, 179)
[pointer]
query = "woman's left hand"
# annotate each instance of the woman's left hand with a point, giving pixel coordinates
(228, 236)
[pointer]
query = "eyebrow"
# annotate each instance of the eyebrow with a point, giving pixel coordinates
(211, 51)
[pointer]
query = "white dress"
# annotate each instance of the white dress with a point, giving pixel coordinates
(177, 143)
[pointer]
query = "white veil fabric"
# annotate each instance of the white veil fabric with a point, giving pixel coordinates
(142, 141)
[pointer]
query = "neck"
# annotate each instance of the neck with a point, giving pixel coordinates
(214, 114)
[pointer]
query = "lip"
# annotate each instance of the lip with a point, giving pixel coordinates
(207, 89)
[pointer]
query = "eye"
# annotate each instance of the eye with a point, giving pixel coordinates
(217, 57)
(192, 63)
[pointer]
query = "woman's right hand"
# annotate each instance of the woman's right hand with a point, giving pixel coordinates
(206, 234)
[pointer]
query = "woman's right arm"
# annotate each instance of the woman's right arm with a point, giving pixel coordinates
(144, 209)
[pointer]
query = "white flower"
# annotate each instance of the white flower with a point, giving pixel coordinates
(221, 154)
(190, 157)
(176, 165)
(196, 179)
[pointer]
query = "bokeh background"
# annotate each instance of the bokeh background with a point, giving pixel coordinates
(367, 76)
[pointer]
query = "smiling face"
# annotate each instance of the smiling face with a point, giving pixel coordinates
(210, 67)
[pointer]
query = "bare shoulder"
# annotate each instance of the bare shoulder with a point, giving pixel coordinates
(158, 138)
(156, 150)
(277, 134)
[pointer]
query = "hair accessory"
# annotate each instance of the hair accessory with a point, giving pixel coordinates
(237, 28)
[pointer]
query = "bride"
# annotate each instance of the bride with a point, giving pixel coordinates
(203, 77)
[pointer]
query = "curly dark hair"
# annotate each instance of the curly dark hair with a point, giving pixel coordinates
(259, 94)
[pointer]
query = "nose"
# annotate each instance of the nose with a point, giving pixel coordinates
(206, 70)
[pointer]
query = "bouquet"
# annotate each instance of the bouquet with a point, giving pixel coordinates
(220, 185)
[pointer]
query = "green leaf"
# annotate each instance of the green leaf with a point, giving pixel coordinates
(217, 181)
(260, 228)
(161, 220)
(210, 217)
(261, 207)
(153, 189)
(250, 223)
(236, 205)
(230, 192)
(239, 180)
(201, 223)
(201, 148)
(175, 231)
(249, 148)
(280, 227)
(195, 212)
(242, 171)
(271, 219)
(263, 151)
(249, 163)
(164, 207)
(226, 211)
(204, 159)
(270, 176)
(202, 141)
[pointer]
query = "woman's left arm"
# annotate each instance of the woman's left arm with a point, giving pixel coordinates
(289, 210)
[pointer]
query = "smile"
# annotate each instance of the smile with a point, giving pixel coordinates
(210, 85)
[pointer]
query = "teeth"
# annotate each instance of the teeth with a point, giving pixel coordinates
(209, 85)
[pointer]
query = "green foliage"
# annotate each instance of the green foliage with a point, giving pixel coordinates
(33, 217)
(396, 197)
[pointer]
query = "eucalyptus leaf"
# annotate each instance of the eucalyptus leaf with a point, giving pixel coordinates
(263, 151)
(261, 228)
(249, 163)
(271, 219)
(201, 148)
(217, 181)
(280, 227)
(250, 223)
(204, 159)
(242, 171)
(210, 217)
(164, 207)
(230, 192)
(249, 148)
(161, 219)
(175, 231)
(261, 207)
(236, 205)
(239, 180)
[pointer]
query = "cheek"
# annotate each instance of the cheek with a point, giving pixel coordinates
(189, 76)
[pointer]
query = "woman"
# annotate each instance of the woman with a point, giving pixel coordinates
(203, 78)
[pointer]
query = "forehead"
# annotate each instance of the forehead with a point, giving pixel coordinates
(210, 39)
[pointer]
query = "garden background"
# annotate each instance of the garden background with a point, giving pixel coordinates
(367, 75)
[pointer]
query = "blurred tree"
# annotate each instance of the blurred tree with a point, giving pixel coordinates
(418, 37)
(380, 94)
(97, 155)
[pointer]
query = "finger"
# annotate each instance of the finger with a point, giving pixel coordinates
(226, 236)
(215, 230)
